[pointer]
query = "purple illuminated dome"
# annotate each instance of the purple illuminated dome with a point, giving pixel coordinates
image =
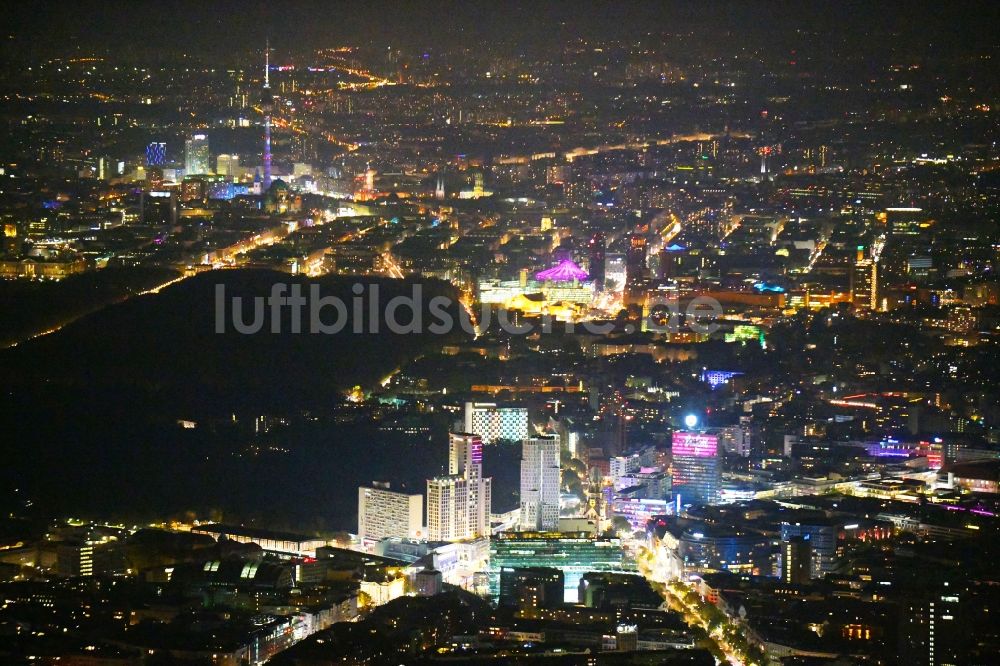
(566, 271)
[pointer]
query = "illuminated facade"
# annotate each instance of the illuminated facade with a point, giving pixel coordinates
(465, 458)
(746, 333)
(635, 269)
(458, 505)
(566, 271)
(196, 160)
(696, 471)
(615, 271)
(503, 292)
(384, 513)
(638, 512)
(34, 269)
(276, 542)
(620, 466)
(822, 540)
(156, 154)
(572, 553)
(864, 282)
(540, 478)
(933, 630)
(447, 508)
(706, 549)
(228, 166)
(267, 101)
(796, 560)
(493, 423)
(717, 378)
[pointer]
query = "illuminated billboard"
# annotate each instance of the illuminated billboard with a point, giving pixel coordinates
(695, 444)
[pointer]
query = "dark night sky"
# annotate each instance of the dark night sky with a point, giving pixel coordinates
(219, 28)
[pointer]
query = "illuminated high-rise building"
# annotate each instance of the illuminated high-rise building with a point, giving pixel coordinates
(267, 102)
(696, 469)
(635, 268)
(622, 466)
(935, 626)
(105, 167)
(615, 271)
(196, 155)
(458, 505)
(796, 560)
(635, 256)
(864, 282)
(822, 537)
(447, 508)
(465, 455)
(540, 479)
(156, 154)
(227, 165)
(598, 247)
(465, 458)
(75, 558)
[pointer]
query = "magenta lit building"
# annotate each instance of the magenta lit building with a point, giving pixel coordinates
(697, 468)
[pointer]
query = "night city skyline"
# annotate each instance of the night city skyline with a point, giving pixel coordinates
(499, 333)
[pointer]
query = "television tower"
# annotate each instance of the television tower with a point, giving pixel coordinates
(266, 105)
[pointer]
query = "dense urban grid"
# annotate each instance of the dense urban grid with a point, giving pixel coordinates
(531, 334)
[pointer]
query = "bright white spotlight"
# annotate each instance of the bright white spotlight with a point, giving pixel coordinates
(690, 421)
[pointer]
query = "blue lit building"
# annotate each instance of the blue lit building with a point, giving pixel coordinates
(702, 547)
(713, 549)
(156, 154)
(717, 378)
(226, 191)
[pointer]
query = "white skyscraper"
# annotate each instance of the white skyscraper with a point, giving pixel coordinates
(458, 505)
(494, 423)
(384, 513)
(540, 479)
(447, 508)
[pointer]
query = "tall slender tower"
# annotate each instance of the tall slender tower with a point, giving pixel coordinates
(266, 105)
(598, 247)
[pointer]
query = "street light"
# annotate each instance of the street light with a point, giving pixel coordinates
(690, 421)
